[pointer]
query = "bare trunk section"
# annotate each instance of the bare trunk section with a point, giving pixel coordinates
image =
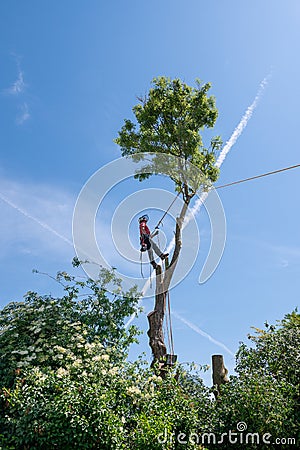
(163, 280)
(156, 320)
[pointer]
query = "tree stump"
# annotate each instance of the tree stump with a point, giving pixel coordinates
(219, 374)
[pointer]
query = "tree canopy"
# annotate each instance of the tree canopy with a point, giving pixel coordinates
(169, 120)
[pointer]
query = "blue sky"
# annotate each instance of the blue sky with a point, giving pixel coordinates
(70, 73)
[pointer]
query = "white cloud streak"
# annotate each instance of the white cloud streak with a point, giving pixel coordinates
(16, 89)
(243, 122)
(201, 332)
(18, 86)
(34, 219)
(24, 114)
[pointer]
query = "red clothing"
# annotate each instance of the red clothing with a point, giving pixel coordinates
(143, 228)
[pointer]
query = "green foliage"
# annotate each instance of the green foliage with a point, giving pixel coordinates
(265, 394)
(96, 403)
(66, 382)
(168, 121)
(46, 331)
(276, 351)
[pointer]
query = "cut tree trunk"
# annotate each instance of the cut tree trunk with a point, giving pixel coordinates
(156, 319)
(163, 280)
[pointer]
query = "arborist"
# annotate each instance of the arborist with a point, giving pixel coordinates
(147, 242)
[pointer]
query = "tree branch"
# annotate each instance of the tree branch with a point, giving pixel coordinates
(179, 222)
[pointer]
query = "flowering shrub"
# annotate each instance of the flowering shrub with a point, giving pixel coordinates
(43, 331)
(94, 402)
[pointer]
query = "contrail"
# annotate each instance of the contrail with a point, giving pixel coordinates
(229, 144)
(39, 222)
(201, 332)
(243, 122)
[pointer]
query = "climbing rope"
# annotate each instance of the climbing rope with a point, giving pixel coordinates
(171, 343)
(167, 311)
(166, 212)
(243, 180)
(266, 174)
(141, 261)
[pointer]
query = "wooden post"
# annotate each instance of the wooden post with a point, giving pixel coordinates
(220, 372)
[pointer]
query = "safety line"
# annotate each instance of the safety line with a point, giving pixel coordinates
(166, 212)
(256, 176)
(170, 325)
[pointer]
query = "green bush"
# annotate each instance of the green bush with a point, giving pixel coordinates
(66, 382)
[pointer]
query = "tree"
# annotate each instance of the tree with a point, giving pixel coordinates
(168, 124)
(265, 394)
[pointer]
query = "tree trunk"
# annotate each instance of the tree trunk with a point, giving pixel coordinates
(163, 280)
(156, 320)
(219, 373)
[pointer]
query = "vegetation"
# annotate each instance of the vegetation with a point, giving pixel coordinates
(66, 381)
(265, 392)
(169, 121)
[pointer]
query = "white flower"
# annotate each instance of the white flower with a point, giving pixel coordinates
(133, 390)
(61, 372)
(105, 357)
(77, 363)
(155, 378)
(30, 358)
(60, 349)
